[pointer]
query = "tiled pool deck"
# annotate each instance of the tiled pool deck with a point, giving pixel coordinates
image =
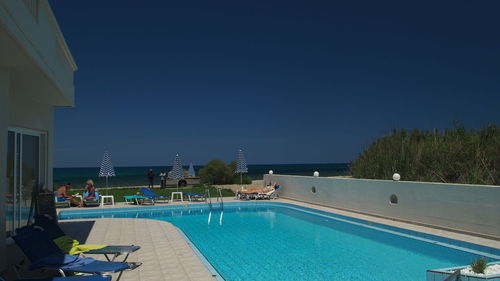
(167, 256)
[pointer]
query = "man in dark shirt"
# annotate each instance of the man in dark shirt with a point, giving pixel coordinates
(151, 177)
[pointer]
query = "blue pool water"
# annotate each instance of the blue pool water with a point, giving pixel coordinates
(273, 241)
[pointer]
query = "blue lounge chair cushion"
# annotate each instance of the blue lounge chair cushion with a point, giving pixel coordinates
(195, 194)
(150, 194)
(95, 199)
(132, 197)
(59, 199)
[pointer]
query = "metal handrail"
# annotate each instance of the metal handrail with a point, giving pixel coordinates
(219, 195)
(207, 191)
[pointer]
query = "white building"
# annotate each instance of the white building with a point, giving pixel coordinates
(36, 76)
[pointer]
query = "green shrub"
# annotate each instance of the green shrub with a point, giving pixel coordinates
(218, 172)
(453, 156)
(479, 265)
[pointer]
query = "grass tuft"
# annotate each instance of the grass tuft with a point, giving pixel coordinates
(479, 265)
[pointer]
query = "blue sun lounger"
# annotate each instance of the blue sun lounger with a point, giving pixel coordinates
(72, 278)
(61, 201)
(44, 253)
(91, 201)
(52, 229)
(131, 199)
(153, 196)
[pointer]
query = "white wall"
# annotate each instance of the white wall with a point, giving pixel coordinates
(41, 40)
(470, 208)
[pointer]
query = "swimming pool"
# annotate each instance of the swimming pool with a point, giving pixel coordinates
(277, 241)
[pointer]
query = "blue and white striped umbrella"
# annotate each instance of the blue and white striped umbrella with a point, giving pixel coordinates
(177, 172)
(241, 163)
(191, 172)
(107, 169)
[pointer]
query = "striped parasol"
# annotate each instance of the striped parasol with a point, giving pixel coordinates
(241, 165)
(191, 172)
(107, 169)
(177, 172)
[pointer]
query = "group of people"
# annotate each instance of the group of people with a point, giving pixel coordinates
(88, 194)
(151, 178)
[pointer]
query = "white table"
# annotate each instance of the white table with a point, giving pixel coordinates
(104, 197)
(177, 193)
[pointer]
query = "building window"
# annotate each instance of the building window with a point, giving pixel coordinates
(26, 172)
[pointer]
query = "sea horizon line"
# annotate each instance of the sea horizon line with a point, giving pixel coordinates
(152, 166)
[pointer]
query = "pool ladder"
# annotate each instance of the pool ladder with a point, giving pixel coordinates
(221, 202)
(220, 199)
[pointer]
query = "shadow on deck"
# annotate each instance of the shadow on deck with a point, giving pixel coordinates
(79, 230)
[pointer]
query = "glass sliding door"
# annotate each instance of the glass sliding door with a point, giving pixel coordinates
(26, 171)
(11, 181)
(30, 172)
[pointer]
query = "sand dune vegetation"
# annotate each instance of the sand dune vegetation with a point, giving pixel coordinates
(453, 156)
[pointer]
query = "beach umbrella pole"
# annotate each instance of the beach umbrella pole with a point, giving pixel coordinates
(107, 184)
(241, 166)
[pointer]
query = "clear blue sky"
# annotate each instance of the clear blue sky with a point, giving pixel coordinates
(286, 81)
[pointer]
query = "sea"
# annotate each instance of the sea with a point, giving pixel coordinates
(136, 176)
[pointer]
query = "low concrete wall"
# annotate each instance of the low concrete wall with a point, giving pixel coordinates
(469, 208)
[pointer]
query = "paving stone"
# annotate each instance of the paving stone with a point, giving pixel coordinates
(164, 253)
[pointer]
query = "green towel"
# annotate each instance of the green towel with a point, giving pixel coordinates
(71, 246)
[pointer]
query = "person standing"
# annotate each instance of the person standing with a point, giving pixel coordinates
(163, 177)
(151, 177)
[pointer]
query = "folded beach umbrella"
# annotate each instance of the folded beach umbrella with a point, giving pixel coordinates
(191, 172)
(241, 165)
(177, 172)
(107, 169)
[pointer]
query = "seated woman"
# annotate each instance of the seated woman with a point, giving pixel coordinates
(62, 192)
(89, 192)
